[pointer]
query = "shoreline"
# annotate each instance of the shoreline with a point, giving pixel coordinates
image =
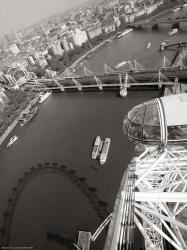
(86, 54)
(15, 122)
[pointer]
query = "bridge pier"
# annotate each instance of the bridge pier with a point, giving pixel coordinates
(155, 26)
(99, 83)
(77, 83)
(61, 87)
(175, 25)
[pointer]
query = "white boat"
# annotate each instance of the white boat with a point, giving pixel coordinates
(125, 32)
(96, 147)
(12, 140)
(104, 152)
(120, 64)
(172, 32)
(148, 45)
(176, 9)
(44, 96)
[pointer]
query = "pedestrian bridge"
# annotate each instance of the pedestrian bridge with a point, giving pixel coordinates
(134, 77)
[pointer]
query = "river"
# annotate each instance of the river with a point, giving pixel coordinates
(59, 200)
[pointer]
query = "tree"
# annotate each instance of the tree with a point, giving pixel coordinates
(56, 65)
(38, 70)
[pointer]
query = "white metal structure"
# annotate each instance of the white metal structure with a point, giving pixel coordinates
(153, 197)
(153, 194)
(161, 199)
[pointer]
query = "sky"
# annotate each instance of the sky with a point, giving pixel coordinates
(18, 14)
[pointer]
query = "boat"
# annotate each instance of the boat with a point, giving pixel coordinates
(172, 32)
(31, 114)
(176, 9)
(104, 152)
(44, 96)
(12, 140)
(125, 32)
(96, 147)
(100, 148)
(148, 45)
(120, 64)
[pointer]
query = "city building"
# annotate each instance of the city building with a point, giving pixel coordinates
(65, 45)
(79, 37)
(42, 62)
(55, 48)
(94, 30)
(108, 26)
(14, 49)
(30, 60)
(6, 78)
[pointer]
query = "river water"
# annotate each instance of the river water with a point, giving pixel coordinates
(56, 201)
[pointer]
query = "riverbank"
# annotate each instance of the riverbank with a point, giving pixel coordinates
(88, 53)
(15, 122)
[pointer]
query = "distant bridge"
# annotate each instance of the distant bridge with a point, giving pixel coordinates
(153, 23)
(180, 44)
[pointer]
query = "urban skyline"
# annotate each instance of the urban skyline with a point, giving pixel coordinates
(16, 15)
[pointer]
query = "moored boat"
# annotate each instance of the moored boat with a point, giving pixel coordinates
(172, 32)
(96, 147)
(125, 32)
(12, 140)
(120, 64)
(29, 116)
(148, 45)
(104, 152)
(44, 96)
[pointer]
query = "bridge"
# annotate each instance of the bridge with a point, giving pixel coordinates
(156, 23)
(135, 77)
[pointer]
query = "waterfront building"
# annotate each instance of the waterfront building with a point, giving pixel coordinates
(14, 49)
(108, 26)
(94, 30)
(79, 37)
(117, 21)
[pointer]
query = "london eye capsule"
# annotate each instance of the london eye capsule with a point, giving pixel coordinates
(160, 121)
